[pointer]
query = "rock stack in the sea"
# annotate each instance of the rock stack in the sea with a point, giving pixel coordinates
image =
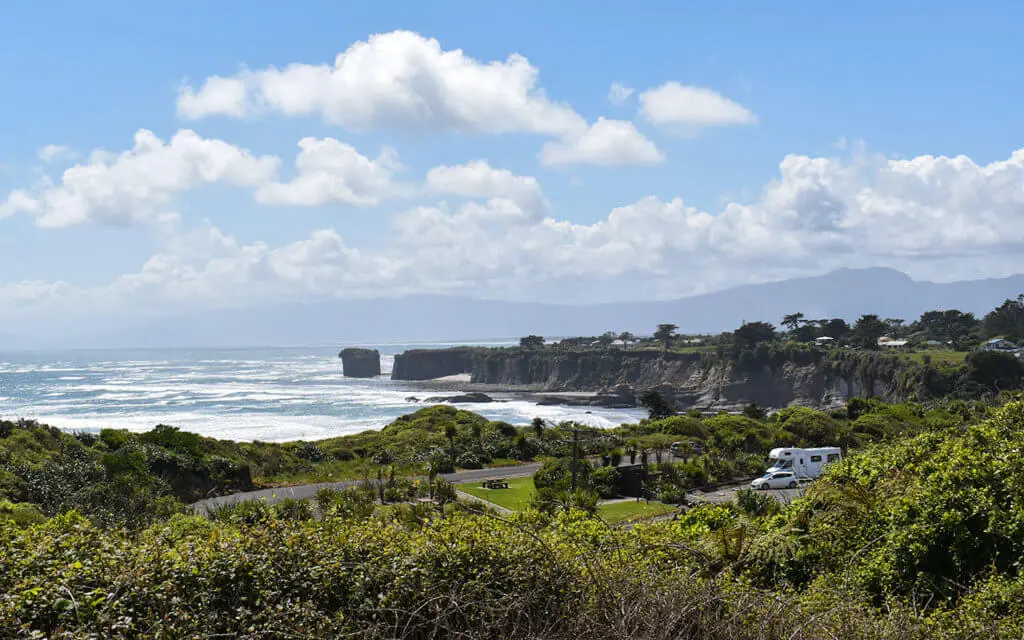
(360, 363)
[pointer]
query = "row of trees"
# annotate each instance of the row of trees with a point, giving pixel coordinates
(950, 327)
(605, 340)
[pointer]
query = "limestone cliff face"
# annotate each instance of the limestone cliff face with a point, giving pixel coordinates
(689, 380)
(360, 363)
(582, 370)
(427, 364)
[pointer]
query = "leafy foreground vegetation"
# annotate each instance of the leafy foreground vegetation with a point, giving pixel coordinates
(117, 478)
(919, 536)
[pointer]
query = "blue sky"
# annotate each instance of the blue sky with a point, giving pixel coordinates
(846, 89)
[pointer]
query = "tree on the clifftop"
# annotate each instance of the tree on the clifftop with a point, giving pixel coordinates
(793, 321)
(751, 334)
(627, 338)
(531, 342)
(1006, 320)
(606, 339)
(895, 328)
(951, 326)
(665, 333)
(868, 329)
(836, 328)
(656, 405)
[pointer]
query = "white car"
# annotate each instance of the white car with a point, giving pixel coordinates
(776, 480)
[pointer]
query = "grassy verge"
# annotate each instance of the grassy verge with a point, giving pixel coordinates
(939, 357)
(630, 510)
(520, 491)
(516, 497)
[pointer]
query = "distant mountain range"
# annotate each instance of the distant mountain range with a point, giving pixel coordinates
(846, 293)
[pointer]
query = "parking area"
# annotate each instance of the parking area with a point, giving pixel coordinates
(727, 493)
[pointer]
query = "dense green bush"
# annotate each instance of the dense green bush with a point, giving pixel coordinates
(925, 517)
(918, 537)
(604, 481)
(558, 471)
(685, 426)
(810, 427)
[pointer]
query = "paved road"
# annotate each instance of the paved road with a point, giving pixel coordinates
(307, 491)
(727, 493)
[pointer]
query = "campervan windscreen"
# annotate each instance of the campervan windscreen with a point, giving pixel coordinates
(780, 463)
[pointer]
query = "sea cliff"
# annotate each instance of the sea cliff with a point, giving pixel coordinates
(687, 379)
(360, 363)
(428, 364)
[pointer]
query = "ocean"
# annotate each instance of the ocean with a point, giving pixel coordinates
(269, 394)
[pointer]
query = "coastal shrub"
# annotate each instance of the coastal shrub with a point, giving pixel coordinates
(812, 428)
(20, 514)
(671, 494)
(926, 517)
(686, 426)
(311, 452)
(604, 480)
(856, 407)
(114, 438)
(243, 512)
(292, 509)
(917, 538)
(172, 439)
(755, 503)
(995, 371)
(558, 471)
(695, 472)
(338, 451)
(468, 460)
(732, 434)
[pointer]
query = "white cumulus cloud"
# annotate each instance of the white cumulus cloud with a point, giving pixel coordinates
(399, 79)
(331, 171)
(691, 108)
(618, 93)
(606, 142)
(51, 152)
(477, 179)
(135, 184)
(940, 218)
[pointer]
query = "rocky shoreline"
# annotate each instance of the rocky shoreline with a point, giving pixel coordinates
(621, 397)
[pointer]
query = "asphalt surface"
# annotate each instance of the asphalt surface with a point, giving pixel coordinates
(727, 493)
(307, 491)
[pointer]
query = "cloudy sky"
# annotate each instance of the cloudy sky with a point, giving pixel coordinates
(201, 155)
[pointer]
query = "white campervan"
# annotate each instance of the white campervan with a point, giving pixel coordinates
(803, 463)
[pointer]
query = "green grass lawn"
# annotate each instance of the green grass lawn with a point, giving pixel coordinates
(516, 497)
(940, 357)
(520, 491)
(630, 510)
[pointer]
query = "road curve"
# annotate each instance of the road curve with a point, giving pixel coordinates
(307, 491)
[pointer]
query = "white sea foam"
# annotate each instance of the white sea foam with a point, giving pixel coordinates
(269, 394)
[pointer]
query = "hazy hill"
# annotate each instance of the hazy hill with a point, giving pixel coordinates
(846, 293)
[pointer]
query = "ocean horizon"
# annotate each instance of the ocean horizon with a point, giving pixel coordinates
(253, 393)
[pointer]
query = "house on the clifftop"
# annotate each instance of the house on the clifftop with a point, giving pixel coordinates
(998, 344)
(890, 343)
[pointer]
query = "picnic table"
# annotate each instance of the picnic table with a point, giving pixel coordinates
(496, 483)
